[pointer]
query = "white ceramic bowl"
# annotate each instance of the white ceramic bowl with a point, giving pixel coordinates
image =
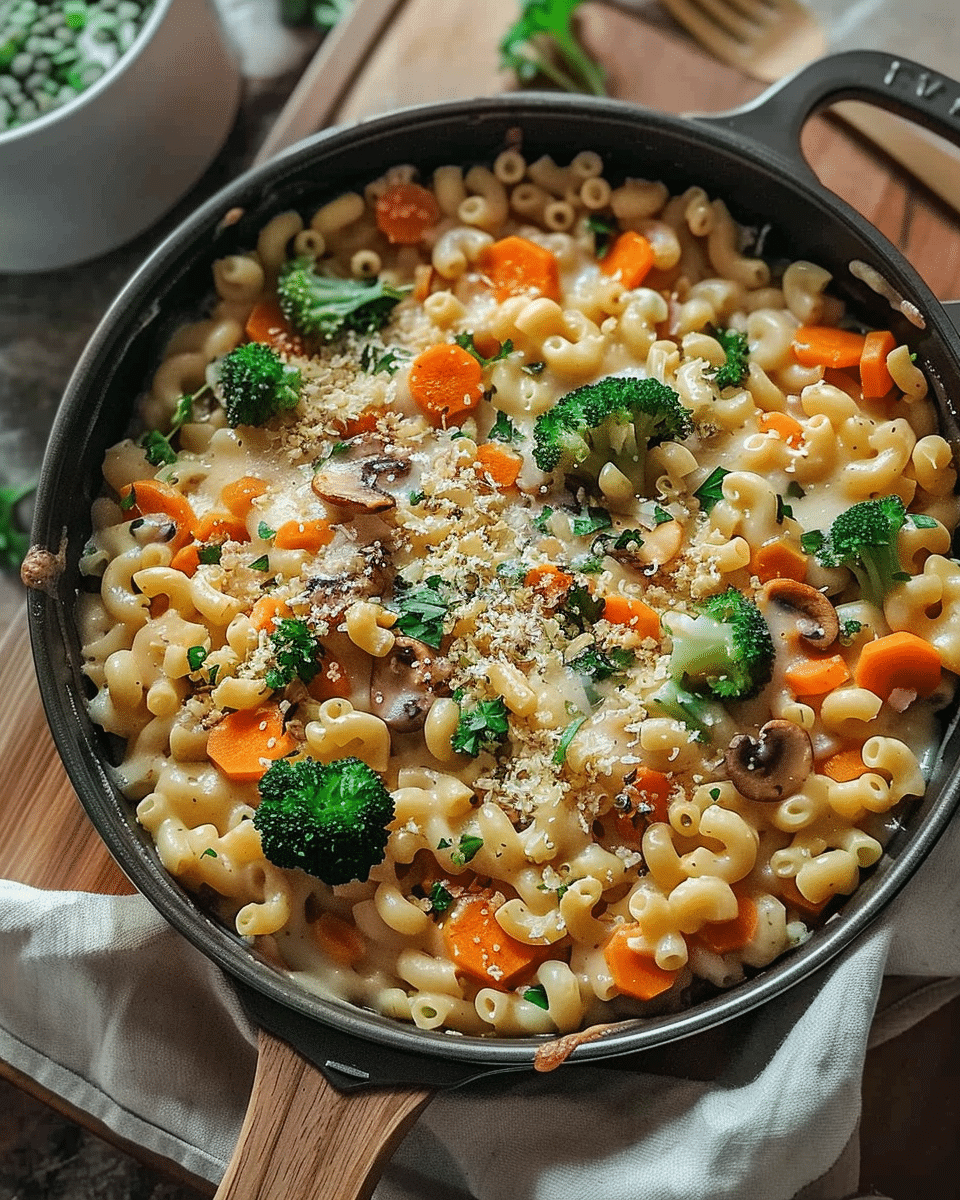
(89, 176)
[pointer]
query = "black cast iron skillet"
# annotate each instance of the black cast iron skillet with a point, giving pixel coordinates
(750, 157)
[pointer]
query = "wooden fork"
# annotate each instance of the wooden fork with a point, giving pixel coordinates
(766, 39)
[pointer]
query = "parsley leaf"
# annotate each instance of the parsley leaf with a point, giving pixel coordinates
(383, 360)
(537, 995)
(598, 665)
(422, 609)
(711, 490)
(503, 429)
(196, 657)
(590, 519)
(481, 728)
(440, 899)
(156, 445)
(465, 341)
(560, 754)
(541, 522)
(603, 230)
(581, 607)
(296, 651)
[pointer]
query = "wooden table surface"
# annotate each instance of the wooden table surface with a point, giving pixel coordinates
(436, 51)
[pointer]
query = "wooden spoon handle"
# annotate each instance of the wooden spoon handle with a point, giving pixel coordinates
(303, 1140)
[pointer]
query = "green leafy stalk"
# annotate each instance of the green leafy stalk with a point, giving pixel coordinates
(542, 42)
(14, 542)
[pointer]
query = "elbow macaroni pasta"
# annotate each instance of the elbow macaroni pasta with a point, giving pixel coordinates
(562, 848)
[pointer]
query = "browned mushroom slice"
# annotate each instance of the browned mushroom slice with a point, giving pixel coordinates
(404, 683)
(771, 766)
(350, 477)
(804, 610)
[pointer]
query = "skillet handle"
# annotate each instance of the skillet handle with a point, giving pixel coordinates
(776, 117)
(304, 1140)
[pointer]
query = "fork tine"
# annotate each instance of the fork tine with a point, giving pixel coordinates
(705, 29)
(729, 18)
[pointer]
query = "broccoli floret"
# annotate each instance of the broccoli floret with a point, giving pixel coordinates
(726, 650)
(700, 714)
(735, 368)
(613, 420)
(324, 306)
(257, 384)
(328, 819)
(864, 539)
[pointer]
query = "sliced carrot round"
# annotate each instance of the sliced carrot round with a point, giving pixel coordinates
(405, 211)
(446, 383)
(516, 266)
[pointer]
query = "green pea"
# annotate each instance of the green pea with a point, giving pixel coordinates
(22, 65)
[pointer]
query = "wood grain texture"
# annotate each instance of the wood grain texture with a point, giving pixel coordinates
(46, 839)
(303, 1140)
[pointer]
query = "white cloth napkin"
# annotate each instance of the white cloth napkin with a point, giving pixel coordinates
(107, 1007)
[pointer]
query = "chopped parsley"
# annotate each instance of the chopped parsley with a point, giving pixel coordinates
(211, 552)
(711, 490)
(209, 853)
(542, 521)
(465, 341)
(196, 657)
(590, 519)
(156, 445)
(481, 728)
(465, 849)
(265, 532)
(440, 899)
(660, 515)
(849, 630)
(422, 609)
(260, 564)
(581, 608)
(383, 360)
(603, 230)
(560, 754)
(296, 652)
(598, 665)
(536, 995)
(503, 429)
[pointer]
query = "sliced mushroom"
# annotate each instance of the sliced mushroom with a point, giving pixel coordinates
(806, 610)
(350, 478)
(771, 766)
(404, 683)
